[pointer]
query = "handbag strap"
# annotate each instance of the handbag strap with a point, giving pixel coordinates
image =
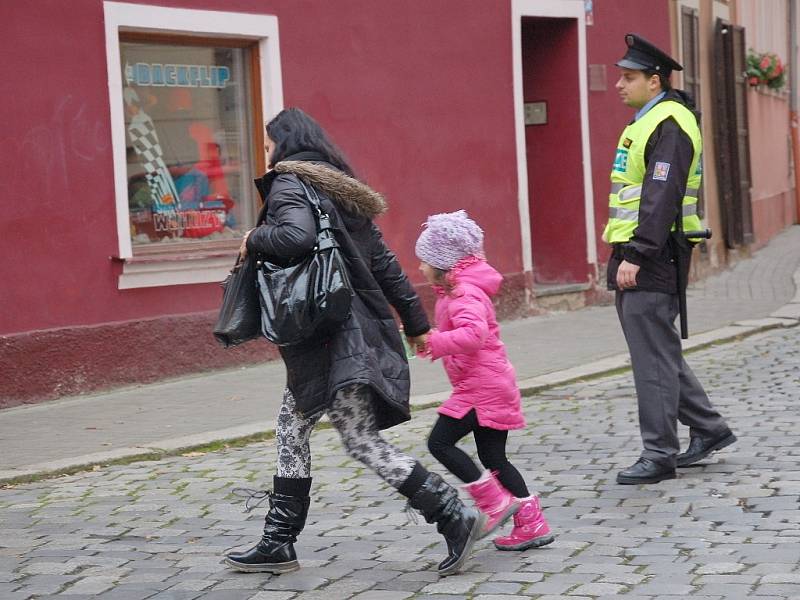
(321, 218)
(312, 196)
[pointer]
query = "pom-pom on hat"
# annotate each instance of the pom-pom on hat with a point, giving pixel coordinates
(447, 238)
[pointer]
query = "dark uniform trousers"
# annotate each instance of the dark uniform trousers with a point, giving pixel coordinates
(666, 388)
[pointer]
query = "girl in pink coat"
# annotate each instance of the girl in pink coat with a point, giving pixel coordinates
(485, 399)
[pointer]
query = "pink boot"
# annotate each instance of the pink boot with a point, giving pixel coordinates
(493, 500)
(530, 528)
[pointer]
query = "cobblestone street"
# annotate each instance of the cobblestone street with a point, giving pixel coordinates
(725, 530)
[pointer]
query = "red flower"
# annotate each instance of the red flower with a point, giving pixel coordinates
(765, 68)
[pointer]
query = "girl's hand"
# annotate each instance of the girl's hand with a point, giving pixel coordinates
(420, 343)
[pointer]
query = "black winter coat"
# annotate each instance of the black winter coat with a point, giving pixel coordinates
(652, 247)
(367, 349)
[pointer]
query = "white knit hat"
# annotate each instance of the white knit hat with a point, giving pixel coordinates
(447, 238)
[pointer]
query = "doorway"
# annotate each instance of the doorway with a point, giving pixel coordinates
(555, 153)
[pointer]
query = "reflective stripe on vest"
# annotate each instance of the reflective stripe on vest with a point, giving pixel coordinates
(632, 214)
(636, 190)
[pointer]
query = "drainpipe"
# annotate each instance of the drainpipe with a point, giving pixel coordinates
(794, 101)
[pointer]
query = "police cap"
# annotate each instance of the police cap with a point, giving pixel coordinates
(644, 56)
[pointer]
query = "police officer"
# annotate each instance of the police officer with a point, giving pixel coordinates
(656, 173)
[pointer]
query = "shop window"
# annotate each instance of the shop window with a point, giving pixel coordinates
(189, 141)
(189, 93)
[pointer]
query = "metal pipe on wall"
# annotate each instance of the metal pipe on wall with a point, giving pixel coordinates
(794, 100)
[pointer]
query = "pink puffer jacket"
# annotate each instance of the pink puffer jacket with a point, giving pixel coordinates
(467, 338)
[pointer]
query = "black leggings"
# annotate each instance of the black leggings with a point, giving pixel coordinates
(491, 444)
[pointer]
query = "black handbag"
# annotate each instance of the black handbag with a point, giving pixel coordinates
(311, 297)
(240, 314)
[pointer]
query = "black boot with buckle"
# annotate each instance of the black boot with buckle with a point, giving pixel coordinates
(461, 526)
(288, 509)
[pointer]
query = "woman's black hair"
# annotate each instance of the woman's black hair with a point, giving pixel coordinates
(294, 131)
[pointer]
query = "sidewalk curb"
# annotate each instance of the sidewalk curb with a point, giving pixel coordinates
(785, 317)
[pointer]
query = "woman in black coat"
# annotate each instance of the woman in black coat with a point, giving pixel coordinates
(358, 374)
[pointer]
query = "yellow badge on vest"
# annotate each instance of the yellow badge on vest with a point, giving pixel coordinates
(627, 143)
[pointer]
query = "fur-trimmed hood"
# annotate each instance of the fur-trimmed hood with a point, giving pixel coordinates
(348, 192)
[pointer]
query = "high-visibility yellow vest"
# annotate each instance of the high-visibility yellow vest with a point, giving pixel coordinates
(629, 170)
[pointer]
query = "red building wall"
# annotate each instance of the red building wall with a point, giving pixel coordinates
(424, 117)
(418, 94)
(771, 195)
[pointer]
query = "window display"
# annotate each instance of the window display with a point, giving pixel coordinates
(188, 124)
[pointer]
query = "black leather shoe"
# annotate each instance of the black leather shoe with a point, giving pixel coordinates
(698, 448)
(645, 470)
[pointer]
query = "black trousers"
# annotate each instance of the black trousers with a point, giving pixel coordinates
(491, 445)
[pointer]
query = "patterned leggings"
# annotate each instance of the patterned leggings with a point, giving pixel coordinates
(352, 413)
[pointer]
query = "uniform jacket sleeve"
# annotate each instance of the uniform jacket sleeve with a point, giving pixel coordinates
(470, 328)
(668, 145)
(396, 287)
(291, 230)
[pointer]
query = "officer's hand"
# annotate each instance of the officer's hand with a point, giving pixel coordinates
(626, 275)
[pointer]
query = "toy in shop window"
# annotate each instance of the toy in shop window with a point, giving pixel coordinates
(181, 202)
(196, 166)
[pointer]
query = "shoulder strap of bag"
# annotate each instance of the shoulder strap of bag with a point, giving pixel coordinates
(320, 216)
(325, 237)
(312, 195)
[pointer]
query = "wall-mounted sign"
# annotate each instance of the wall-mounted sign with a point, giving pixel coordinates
(536, 113)
(598, 82)
(154, 74)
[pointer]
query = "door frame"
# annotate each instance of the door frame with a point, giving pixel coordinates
(570, 9)
(731, 134)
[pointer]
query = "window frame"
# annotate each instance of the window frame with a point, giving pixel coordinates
(197, 262)
(690, 50)
(689, 26)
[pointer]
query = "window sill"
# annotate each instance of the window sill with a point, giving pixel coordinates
(165, 268)
(762, 90)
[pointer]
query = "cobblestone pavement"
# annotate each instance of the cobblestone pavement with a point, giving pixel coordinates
(726, 530)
